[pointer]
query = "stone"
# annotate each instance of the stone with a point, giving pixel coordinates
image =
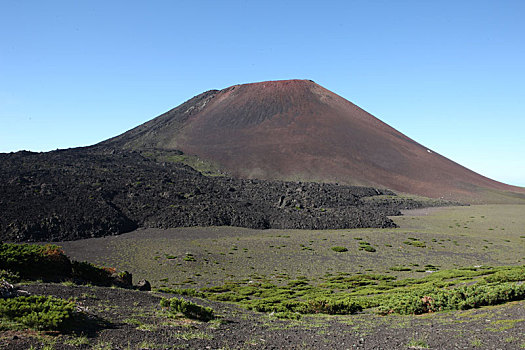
(144, 286)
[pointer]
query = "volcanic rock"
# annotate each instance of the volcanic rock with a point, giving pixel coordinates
(93, 192)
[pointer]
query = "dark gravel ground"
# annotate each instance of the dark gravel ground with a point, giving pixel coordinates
(92, 192)
(134, 320)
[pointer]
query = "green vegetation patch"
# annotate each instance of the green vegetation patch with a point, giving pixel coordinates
(456, 289)
(339, 249)
(36, 312)
(508, 274)
(188, 309)
(48, 262)
(363, 245)
(415, 242)
(31, 261)
(461, 298)
(189, 257)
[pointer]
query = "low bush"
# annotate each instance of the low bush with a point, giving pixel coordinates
(400, 268)
(344, 293)
(513, 274)
(415, 242)
(37, 312)
(339, 249)
(228, 296)
(35, 261)
(332, 307)
(9, 276)
(189, 257)
(363, 245)
(188, 309)
(85, 272)
(461, 298)
(49, 263)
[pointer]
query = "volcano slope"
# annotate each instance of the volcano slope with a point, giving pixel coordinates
(91, 192)
(298, 130)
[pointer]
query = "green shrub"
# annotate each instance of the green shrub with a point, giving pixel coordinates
(48, 262)
(188, 309)
(513, 274)
(85, 272)
(189, 257)
(9, 276)
(298, 283)
(369, 248)
(400, 268)
(332, 307)
(339, 249)
(228, 296)
(37, 312)
(407, 296)
(415, 242)
(461, 298)
(35, 261)
(363, 245)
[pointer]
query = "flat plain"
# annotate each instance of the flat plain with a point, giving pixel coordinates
(426, 240)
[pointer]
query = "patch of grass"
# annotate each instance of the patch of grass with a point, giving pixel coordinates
(148, 345)
(461, 298)
(339, 249)
(34, 261)
(344, 293)
(188, 309)
(415, 242)
(400, 268)
(132, 321)
(417, 344)
(507, 274)
(503, 325)
(476, 342)
(363, 245)
(189, 257)
(37, 312)
(147, 327)
(510, 339)
(10, 276)
(103, 345)
(77, 341)
(368, 248)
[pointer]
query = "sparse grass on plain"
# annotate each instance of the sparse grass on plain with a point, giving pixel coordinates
(439, 241)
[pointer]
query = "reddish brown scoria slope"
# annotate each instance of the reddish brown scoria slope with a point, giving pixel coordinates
(298, 130)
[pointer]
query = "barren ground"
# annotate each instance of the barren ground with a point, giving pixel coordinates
(454, 237)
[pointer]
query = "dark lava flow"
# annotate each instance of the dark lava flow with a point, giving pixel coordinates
(90, 192)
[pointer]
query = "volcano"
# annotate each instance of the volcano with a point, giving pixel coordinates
(297, 130)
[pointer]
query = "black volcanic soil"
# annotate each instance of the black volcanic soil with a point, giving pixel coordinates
(90, 192)
(134, 320)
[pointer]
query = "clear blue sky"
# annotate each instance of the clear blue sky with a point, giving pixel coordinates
(449, 74)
